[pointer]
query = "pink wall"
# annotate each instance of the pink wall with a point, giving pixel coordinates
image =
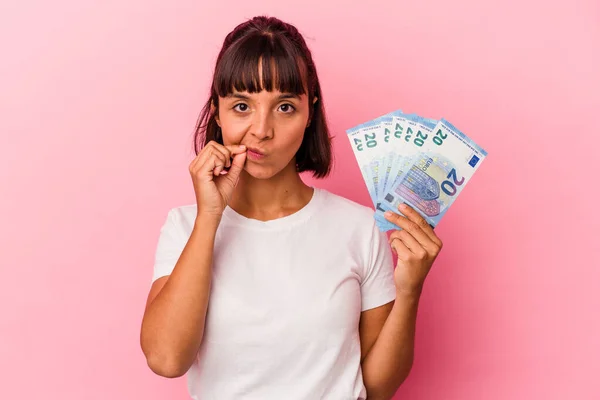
(98, 101)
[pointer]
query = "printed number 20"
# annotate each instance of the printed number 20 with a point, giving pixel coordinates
(448, 187)
(358, 144)
(370, 138)
(420, 139)
(439, 137)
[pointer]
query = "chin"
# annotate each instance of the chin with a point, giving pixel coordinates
(259, 171)
(267, 171)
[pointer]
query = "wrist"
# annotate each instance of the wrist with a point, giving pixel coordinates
(207, 221)
(410, 292)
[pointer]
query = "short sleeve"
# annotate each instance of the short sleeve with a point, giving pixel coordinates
(169, 247)
(378, 287)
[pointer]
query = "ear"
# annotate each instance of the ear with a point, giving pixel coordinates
(212, 111)
(309, 119)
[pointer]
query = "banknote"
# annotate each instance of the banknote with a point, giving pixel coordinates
(413, 159)
(437, 174)
(368, 142)
(411, 134)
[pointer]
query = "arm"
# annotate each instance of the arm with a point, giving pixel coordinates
(173, 322)
(390, 359)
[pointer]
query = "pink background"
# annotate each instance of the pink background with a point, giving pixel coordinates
(98, 101)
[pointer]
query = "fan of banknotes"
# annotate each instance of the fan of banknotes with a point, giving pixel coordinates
(406, 158)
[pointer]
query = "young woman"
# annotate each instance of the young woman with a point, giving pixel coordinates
(267, 288)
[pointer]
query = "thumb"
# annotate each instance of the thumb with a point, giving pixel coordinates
(237, 166)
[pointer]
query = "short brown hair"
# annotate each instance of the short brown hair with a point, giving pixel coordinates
(279, 45)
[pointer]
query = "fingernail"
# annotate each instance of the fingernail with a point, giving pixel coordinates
(387, 214)
(403, 205)
(242, 147)
(223, 172)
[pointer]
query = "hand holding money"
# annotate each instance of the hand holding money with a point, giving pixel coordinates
(416, 245)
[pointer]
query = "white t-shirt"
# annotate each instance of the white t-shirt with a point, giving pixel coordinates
(285, 301)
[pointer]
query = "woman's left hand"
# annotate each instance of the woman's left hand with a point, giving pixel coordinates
(417, 247)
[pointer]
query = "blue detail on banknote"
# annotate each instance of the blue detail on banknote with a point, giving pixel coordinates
(473, 161)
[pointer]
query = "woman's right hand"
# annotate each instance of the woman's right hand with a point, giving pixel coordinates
(213, 184)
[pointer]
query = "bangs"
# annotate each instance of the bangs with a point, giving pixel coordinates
(261, 62)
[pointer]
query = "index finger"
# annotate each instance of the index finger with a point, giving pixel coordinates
(412, 228)
(236, 148)
(228, 151)
(412, 215)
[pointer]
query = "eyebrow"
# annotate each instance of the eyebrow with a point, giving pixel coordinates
(288, 96)
(283, 96)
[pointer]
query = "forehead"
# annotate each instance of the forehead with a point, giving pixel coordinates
(260, 64)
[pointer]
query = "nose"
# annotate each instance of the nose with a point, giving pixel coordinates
(261, 128)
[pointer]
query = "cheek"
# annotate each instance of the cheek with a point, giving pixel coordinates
(291, 133)
(232, 133)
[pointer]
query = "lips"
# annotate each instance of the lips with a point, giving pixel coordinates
(255, 153)
(255, 150)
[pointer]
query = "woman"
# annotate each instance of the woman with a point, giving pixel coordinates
(267, 288)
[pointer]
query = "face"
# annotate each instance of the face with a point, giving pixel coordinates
(270, 124)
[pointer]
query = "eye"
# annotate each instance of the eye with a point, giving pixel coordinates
(241, 107)
(287, 108)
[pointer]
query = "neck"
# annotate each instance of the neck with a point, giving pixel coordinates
(267, 199)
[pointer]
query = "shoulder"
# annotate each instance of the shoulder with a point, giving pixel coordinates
(181, 218)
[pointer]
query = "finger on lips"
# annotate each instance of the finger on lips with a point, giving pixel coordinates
(216, 157)
(236, 149)
(215, 162)
(228, 153)
(222, 153)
